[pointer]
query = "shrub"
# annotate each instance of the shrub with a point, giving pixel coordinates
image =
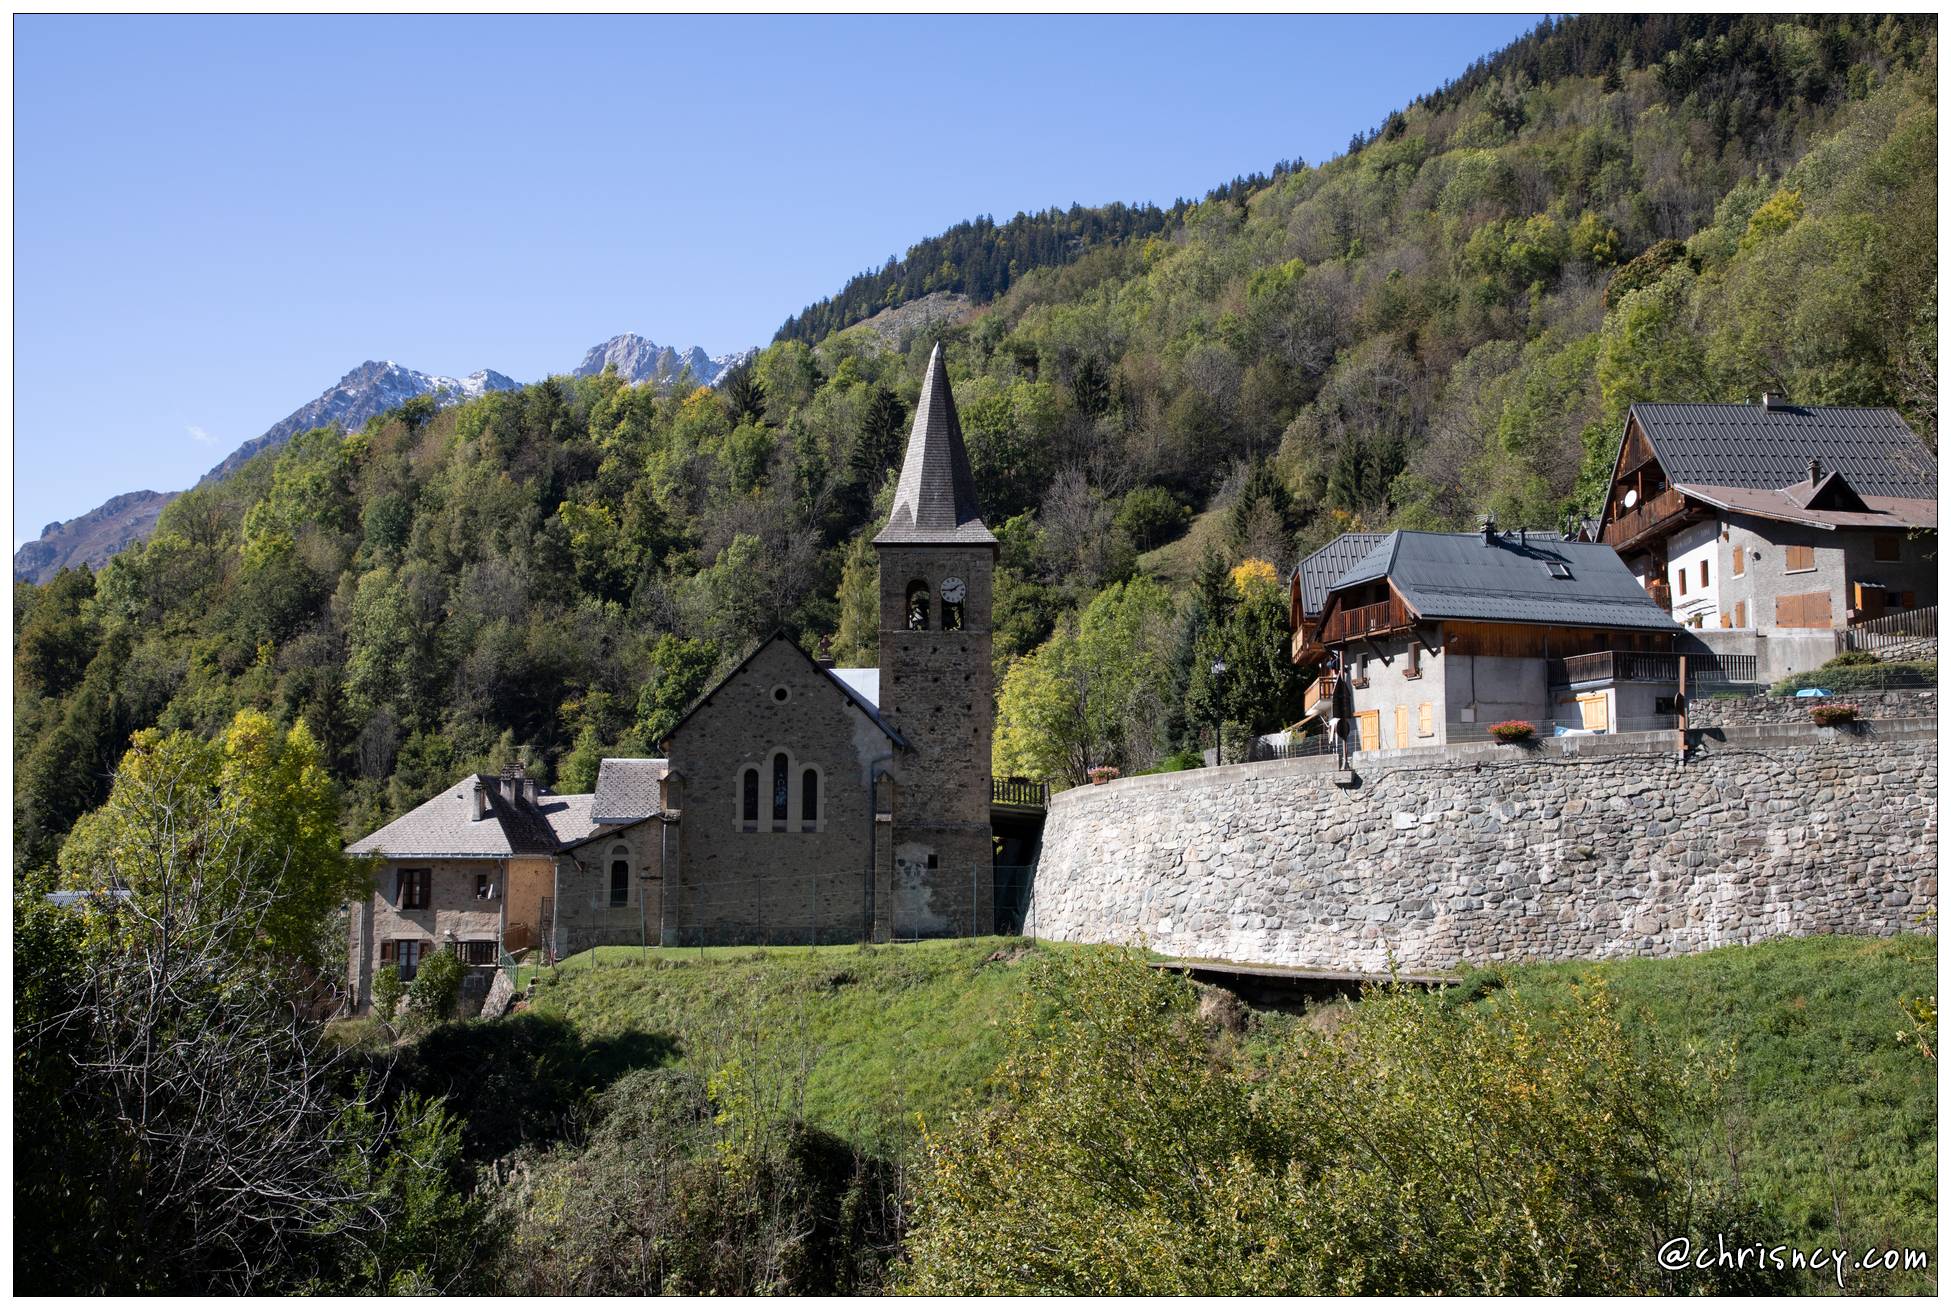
(1859, 676)
(387, 991)
(690, 1189)
(1151, 516)
(1850, 659)
(1510, 1146)
(1513, 732)
(1103, 773)
(435, 991)
(1833, 715)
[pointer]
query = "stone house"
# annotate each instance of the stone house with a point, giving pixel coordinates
(794, 802)
(1433, 636)
(472, 870)
(1768, 527)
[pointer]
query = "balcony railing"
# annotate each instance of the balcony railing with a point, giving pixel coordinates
(1024, 793)
(1648, 514)
(1319, 692)
(1390, 615)
(1901, 628)
(1645, 666)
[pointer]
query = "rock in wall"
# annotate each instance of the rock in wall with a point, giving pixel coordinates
(1578, 848)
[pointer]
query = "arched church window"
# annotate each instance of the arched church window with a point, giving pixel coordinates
(780, 793)
(918, 599)
(620, 876)
(809, 799)
(749, 802)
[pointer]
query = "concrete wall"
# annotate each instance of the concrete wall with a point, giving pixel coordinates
(586, 914)
(1391, 687)
(1687, 550)
(1586, 847)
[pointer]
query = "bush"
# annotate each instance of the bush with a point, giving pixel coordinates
(1859, 676)
(1150, 516)
(1510, 1146)
(689, 1189)
(1850, 659)
(1513, 732)
(435, 991)
(387, 991)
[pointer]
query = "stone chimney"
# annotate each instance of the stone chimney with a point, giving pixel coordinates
(1815, 470)
(1770, 402)
(481, 788)
(1490, 529)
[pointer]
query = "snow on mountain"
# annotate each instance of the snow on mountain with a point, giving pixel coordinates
(639, 359)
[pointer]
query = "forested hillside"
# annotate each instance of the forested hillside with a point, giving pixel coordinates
(1451, 318)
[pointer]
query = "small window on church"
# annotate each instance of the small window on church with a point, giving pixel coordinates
(749, 802)
(809, 799)
(619, 882)
(918, 606)
(779, 791)
(951, 616)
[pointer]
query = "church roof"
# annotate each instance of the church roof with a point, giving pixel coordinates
(935, 501)
(846, 689)
(627, 789)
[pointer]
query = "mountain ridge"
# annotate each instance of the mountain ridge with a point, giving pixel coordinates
(362, 394)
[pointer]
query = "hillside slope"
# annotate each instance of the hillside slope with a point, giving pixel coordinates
(1832, 1119)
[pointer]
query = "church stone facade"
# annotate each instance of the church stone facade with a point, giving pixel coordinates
(794, 803)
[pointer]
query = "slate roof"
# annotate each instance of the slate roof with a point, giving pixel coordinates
(444, 827)
(1451, 575)
(1768, 448)
(935, 501)
(1319, 570)
(627, 790)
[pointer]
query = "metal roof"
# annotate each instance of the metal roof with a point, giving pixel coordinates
(864, 683)
(1769, 447)
(627, 790)
(1320, 569)
(1507, 579)
(935, 500)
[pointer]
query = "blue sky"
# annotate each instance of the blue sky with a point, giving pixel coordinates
(216, 217)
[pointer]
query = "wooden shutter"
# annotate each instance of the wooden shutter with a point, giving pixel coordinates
(1739, 562)
(1592, 711)
(1799, 559)
(1426, 720)
(1740, 613)
(1369, 723)
(1808, 610)
(1402, 725)
(387, 952)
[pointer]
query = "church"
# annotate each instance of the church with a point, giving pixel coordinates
(795, 802)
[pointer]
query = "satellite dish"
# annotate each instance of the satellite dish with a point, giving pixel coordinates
(1631, 498)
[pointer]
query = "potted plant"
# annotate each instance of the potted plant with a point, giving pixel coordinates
(1102, 774)
(1833, 715)
(1513, 732)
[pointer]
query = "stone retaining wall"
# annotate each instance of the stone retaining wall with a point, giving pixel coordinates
(1714, 712)
(1577, 848)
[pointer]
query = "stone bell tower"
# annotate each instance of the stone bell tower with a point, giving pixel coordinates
(938, 566)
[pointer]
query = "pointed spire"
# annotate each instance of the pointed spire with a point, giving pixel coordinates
(935, 500)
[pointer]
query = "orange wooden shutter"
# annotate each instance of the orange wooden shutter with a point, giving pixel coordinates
(1800, 558)
(1402, 725)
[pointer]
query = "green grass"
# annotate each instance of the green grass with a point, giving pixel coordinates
(1833, 1118)
(878, 1035)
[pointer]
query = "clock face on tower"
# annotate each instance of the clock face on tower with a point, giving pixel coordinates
(954, 590)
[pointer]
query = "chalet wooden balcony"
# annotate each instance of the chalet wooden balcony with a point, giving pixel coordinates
(1319, 694)
(1390, 615)
(1648, 666)
(1661, 510)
